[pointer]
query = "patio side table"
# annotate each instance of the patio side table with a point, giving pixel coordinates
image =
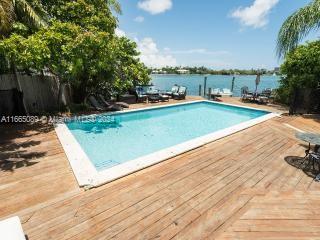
(312, 139)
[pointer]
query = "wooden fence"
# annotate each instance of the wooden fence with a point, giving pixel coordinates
(41, 93)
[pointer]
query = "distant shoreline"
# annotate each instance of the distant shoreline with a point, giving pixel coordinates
(197, 74)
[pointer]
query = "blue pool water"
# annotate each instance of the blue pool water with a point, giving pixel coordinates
(115, 139)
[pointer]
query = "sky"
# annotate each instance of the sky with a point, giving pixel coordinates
(218, 34)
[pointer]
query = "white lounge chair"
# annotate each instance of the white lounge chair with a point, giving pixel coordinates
(181, 94)
(215, 92)
(174, 90)
(226, 93)
(11, 229)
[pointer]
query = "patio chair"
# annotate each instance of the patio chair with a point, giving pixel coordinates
(215, 93)
(108, 107)
(266, 92)
(181, 94)
(174, 90)
(226, 92)
(314, 157)
(108, 103)
(154, 98)
(246, 95)
(95, 104)
(273, 95)
(151, 90)
(141, 95)
(164, 97)
(264, 97)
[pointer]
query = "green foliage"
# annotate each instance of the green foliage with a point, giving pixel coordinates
(301, 69)
(27, 12)
(85, 13)
(297, 26)
(27, 53)
(81, 48)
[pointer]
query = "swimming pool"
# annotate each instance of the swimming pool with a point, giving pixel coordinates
(104, 147)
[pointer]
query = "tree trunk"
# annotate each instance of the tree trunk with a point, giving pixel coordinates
(80, 92)
(293, 102)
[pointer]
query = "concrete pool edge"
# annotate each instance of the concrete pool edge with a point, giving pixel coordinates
(87, 175)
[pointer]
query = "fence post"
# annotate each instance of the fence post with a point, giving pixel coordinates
(200, 93)
(209, 94)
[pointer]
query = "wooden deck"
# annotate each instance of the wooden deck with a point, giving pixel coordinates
(249, 185)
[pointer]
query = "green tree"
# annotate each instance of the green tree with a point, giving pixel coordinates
(297, 26)
(300, 70)
(88, 14)
(91, 61)
(80, 46)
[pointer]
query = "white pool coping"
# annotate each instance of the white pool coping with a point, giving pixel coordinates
(87, 175)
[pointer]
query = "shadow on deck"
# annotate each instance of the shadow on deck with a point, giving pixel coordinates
(17, 147)
(304, 165)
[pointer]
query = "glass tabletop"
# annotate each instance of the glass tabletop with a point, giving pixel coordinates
(309, 137)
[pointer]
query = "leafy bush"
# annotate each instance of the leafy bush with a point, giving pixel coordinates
(300, 70)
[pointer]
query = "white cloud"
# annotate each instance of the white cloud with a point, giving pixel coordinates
(139, 19)
(152, 57)
(119, 32)
(155, 6)
(256, 15)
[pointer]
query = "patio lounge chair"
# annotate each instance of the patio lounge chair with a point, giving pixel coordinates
(226, 92)
(121, 104)
(164, 97)
(267, 92)
(174, 90)
(101, 108)
(273, 95)
(246, 95)
(141, 95)
(264, 97)
(151, 90)
(181, 94)
(154, 98)
(94, 103)
(215, 93)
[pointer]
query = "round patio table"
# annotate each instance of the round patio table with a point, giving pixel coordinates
(310, 138)
(313, 139)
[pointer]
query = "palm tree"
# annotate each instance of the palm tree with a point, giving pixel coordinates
(12, 10)
(297, 26)
(115, 5)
